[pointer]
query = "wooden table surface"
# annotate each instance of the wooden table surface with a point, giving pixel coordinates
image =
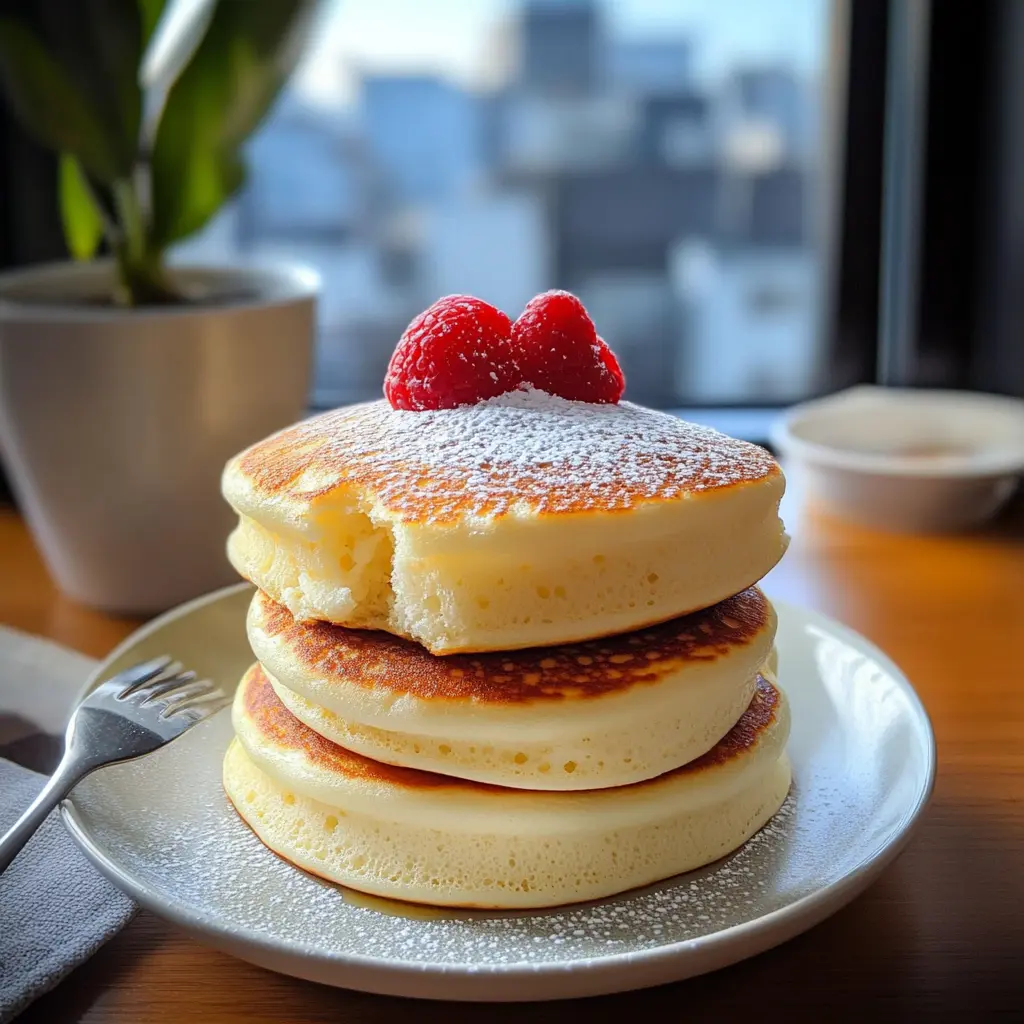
(939, 936)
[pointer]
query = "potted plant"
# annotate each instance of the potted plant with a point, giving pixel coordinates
(125, 382)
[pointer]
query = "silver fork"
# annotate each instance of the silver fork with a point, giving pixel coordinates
(129, 715)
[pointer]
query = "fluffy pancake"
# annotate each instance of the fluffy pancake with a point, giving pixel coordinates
(422, 837)
(520, 522)
(582, 716)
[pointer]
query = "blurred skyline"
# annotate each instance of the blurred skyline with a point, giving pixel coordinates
(456, 38)
(659, 159)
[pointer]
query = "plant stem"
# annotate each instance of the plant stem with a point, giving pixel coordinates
(142, 278)
(129, 213)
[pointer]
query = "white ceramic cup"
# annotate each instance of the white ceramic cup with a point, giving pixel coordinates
(904, 459)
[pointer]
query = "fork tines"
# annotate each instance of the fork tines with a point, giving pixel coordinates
(165, 682)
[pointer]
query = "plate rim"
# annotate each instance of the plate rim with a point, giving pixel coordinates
(662, 963)
(154, 625)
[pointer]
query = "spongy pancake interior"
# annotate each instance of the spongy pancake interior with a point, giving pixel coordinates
(523, 521)
(416, 836)
(590, 715)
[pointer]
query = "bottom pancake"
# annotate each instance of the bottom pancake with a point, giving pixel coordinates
(425, 838)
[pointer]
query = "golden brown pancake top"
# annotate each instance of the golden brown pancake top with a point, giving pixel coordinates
(572, 671)
(525, 450)
(274, 721)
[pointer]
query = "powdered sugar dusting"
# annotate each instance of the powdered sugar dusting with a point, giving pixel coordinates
(525, 448)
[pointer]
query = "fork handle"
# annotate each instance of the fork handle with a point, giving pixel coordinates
(57, 787)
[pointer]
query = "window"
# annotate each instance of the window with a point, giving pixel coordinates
(663, 159)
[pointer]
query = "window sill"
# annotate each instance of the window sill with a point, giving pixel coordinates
(749, 423)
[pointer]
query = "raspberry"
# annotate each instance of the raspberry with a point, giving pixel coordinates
(559, 351)
(609, 360)
(457, 352)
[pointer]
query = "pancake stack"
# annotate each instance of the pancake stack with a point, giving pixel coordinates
(510, 654)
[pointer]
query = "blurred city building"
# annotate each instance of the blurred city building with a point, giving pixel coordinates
(680, 207)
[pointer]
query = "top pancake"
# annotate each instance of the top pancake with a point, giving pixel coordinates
(524, 450)
(524, 521)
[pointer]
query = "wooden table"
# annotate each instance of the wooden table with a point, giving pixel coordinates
(939, 936)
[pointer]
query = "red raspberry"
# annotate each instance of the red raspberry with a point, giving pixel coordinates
(559, 351)
(609, 360)
(457, 352)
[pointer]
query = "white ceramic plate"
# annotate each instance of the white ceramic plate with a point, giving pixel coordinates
(863, 763)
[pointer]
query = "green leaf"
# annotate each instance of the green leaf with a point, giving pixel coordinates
(219, 99)
(49, 105)
(83, 224)
(111, 35)
(97, 44)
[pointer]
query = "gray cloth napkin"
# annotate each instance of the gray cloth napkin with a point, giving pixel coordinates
(56, 910)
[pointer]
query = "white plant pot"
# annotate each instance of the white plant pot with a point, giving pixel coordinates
(115, 424)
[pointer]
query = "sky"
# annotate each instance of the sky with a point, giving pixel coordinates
(458, 38)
